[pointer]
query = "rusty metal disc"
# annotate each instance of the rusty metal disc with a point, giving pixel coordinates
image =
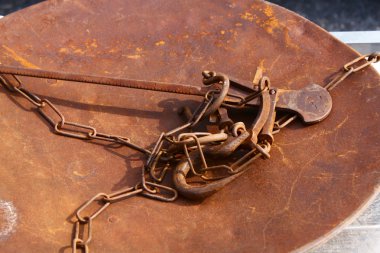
(317, 179)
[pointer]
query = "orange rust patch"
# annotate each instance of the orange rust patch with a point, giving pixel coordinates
(247, 16)
(160, 43)
(138, 54)
(268, 11)
(271, 24)
(134, 56)
(63, 50)
(91, 44)
(79, 51)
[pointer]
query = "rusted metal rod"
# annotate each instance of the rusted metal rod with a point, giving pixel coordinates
(103, 80)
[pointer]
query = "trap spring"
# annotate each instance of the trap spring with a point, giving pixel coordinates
(187, 148)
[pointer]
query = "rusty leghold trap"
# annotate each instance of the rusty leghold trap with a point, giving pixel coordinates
(186, 126)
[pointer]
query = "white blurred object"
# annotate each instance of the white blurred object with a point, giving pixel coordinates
(377, 66)
(363, 42)
(362, 37)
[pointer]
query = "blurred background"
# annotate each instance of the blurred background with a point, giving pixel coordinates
(337, 15)
(8, 6)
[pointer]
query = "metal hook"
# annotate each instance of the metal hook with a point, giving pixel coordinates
(212, 78)
(225, 149)
(202, 191)
(185, 165)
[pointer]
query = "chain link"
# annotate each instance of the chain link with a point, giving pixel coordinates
(349, 68)
(145, 188)
(352, 67)
(79, 241)
(67, 128)
(61, 126)
(167, 145)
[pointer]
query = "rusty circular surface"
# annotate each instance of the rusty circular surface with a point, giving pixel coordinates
(317, 178)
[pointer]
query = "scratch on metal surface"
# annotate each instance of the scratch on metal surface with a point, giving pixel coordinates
(274, 62)
(285, 160)
(8, 219)
(11, 53)
(134, 56)
(317, 135)
(286, 208)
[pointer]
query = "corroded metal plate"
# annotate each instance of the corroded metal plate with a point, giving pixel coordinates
(318, 177)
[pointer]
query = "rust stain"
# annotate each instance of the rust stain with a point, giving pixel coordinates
(91, 44)
(203, 33)
(268, 11)
(64, 50)
(247, 16)
(11, 53)
(134, 56)
(88, 47)
(347, 154)
(79, 51)
(269, 24)
(288, 40)
(137, 55)
(272, 23)
(76, 173)
(160, 43)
